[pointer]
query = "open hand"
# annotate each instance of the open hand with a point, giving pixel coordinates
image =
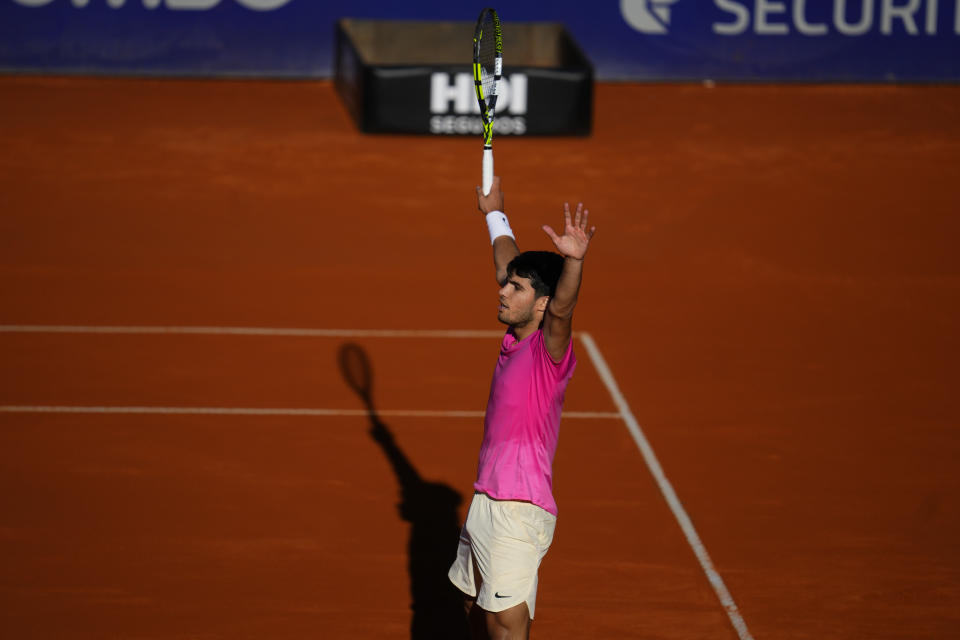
(576, 237)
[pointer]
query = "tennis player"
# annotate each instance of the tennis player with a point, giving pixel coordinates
(512, 516)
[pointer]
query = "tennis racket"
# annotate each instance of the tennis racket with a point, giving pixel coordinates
(487, 68)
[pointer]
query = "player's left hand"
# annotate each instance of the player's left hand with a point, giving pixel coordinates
(576, 236)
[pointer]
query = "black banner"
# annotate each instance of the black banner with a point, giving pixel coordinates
(384, 94)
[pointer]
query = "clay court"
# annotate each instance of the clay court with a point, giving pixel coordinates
(774, 289)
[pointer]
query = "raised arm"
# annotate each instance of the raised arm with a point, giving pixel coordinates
(558, 319)
(504, 246)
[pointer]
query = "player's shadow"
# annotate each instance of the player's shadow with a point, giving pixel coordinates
(431, 510)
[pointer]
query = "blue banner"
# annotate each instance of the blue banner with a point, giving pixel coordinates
(653, 40)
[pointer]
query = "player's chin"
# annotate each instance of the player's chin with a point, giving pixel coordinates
(502, 316)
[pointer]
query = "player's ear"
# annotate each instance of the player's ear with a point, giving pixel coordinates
(542, 302)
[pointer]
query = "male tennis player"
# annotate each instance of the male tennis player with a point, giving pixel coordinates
(512, 516)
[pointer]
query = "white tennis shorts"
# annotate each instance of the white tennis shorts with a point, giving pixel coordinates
(501, 546)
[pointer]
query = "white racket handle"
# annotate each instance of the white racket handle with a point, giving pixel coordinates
(487, 170)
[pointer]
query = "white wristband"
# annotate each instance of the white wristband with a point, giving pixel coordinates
(498, 225)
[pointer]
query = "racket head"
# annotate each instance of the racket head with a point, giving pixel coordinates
(356, 370)
(487, 67)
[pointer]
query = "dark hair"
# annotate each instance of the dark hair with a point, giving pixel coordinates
(542, 267)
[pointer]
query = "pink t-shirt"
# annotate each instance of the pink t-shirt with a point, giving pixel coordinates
(522, 424)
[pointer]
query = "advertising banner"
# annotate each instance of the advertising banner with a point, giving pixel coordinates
(405, 88)
(650, 40)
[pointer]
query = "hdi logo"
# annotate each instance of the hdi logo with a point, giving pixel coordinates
(454, 105)
(647, 16)
(459, 94)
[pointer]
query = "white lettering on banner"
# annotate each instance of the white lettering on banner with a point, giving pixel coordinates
(173, 5)
(518, 93)
(931, 26)
(800, 19)
(889, 10)
(262, 5)
(847, 29)
(762, 10)
(767, 17)
(736, 27)
(191, 5)
(647, 16)
(465, 125)
(460, 93)
(511, 94)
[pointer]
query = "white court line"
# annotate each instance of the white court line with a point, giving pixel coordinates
(252, 331)
(650, 458)
(693, 539)
(262, 331)
(258, 411)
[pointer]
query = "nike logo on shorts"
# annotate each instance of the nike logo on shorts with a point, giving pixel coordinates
(497, 595)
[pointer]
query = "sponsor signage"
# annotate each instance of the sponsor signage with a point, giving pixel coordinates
(803, 40)
(418, 91)
(454, 108)
(748, 40)
(813, 18)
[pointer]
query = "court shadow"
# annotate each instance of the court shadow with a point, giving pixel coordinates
(431, 510)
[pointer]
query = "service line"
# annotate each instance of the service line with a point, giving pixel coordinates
(251, 331)
(269, 411)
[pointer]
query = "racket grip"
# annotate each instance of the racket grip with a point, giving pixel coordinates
(487, 170)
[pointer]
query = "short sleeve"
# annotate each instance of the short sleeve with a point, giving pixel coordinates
(560, 369)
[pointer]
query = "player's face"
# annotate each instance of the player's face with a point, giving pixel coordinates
(519, 303)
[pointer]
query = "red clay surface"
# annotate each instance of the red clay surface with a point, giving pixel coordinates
(774, 283)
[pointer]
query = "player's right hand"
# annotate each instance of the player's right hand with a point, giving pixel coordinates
(493, 201)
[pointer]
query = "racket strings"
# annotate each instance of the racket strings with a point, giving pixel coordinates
(487, 58)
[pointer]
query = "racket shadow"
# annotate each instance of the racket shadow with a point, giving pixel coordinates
(431, 508)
